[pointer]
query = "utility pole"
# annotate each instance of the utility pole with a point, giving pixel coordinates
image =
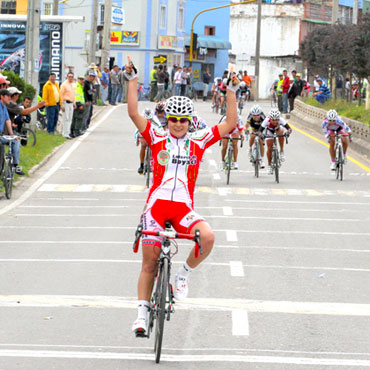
(258, 47)
(93, 31)
(106, 32)
(32, 57)
(55, 7)
(334, 13)
(355, 12)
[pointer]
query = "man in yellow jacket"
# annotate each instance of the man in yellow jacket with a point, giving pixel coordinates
(51, 95)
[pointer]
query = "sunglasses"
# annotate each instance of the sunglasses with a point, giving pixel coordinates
(175, 119)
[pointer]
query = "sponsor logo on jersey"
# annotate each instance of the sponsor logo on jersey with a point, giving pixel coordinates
(163, 157)
(184, 159)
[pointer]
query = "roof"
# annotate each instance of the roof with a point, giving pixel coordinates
(210, 42)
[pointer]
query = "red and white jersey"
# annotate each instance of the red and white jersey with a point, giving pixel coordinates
(176, 162)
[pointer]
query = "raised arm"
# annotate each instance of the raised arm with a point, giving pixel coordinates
(231, 111)
(132, 101)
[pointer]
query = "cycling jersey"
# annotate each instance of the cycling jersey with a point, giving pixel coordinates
(266, 124)
(254, 124)
(338, 126)
(176, 162)
(221, 88)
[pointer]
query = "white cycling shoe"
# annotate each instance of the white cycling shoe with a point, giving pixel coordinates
(181, 288)
(140, 327)
(235, 166)
(282, 156)
(333, 166)
(262, 164)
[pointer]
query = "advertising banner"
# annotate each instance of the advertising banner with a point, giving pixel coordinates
(130, 38)
(12, 48)
(116, 37)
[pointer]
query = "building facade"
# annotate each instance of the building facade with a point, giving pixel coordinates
(213, 29)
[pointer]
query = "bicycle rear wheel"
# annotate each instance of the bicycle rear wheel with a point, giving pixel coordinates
(8, 178)
(162, 290)
(275, 161)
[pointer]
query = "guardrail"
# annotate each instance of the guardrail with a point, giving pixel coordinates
(313, 117)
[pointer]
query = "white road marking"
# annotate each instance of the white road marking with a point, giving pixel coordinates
(55, 167)
(209, 151)
(228, 211)
(240, 322)
(236, 268)
(205, 304)
(296, 202)
(216, 176)
(223, 192)
(212, 163)
(231, 236)
(185, 358)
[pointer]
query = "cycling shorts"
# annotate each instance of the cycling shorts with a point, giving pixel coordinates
(339, 131)
(180, 215)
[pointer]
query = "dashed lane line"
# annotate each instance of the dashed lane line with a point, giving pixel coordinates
(240, 322)
(236, 268)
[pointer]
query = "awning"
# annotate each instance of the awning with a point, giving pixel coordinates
(210, 42)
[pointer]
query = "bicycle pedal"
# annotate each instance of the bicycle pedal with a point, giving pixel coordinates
(140, 333)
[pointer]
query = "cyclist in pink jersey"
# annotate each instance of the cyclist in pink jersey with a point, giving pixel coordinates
(177, 155)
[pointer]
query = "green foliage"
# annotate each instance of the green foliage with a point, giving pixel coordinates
(18, 82)
(344, 109)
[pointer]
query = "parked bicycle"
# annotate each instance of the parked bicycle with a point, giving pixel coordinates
(229, 158)
(275, 159)
(162, 300)
(339, 156)
(7, 169)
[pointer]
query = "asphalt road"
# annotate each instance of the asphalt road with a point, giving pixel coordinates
(286, 286)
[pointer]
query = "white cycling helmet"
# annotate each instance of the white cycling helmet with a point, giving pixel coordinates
(256, 109)
(148, 113)
(332, 115)
(274, 114)
(179, 106)
(243, 84)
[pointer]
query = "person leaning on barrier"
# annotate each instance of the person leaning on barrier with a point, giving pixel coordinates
(5, 97)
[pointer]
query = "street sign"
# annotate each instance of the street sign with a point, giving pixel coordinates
(160, 59)
(118, 15)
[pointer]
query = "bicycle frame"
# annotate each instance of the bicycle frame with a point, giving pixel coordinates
(256, 154)
(275, 158)
(229, 158)
(339, 155)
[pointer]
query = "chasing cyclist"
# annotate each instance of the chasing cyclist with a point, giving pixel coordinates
(271, 124)
(332, 124)
(254, 121)
(176, 155)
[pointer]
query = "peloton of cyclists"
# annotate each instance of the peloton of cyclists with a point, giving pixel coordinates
(237, 132)
(332, 124)
(273, 123)
(176, 155)
(219, 89)
(254, 121)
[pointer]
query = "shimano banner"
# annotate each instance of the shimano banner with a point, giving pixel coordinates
(12, 48)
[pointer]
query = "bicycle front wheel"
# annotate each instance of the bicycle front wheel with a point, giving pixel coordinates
(162, 290)
(31, 136)
(275, 160)
(339, 169)
(8, 178)
(229, 156)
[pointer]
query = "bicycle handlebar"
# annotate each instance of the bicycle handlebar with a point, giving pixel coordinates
(169, 235)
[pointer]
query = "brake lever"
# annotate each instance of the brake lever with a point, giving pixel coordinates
(197, 241)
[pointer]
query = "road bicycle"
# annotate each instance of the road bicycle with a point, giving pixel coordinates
(339, 155)
(216, 104)
(275, 159)
(256, 158)
(229, 158)
(147, 166)
(7, 169)
(162, 300)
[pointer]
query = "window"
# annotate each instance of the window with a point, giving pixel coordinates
(209, 30)
(101, 15)
(162, 18)
(48, 8)
(181, 21)
(8, 7)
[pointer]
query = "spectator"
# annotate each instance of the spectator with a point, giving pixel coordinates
(339, 86)
(88, 95)
(97, 83)
(297, 89)
(184, 81)
(91, 67)
(67, 93)
(178, 80)
(51, 95)
(122, 80)
(77, 126)
(206, 81)
(324, 92)
(4, 83)
(153, 83)
(174, 70)
(104, 85)
(189, 81)
(15, 110)
(277, 85)
(115, 82)
(294, 75)
(285, 86)
(161, 77)
(166, 80)
(316, 85)
(247, 79)
(5, 122)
